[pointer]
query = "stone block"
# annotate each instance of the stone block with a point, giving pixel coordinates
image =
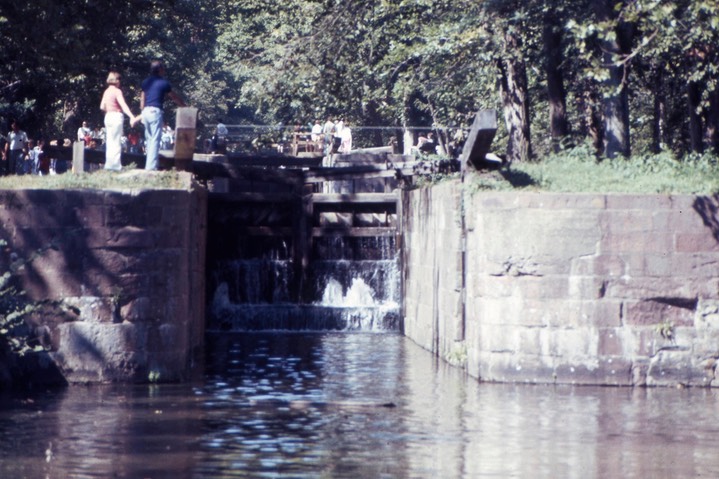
(623, 222)
(703, 241)
(118, 198)
(130, 285)
(89, 216)
(675, 367)
(586, 287)
(570, 344)
(133, 237)
(658, 265)
(695, 265)
(561, 201)
(515, 368)
(551, 287)
(639, 201)
(644, 342)
(486, 202)
(53, 282)
(637, 242)
(677, 220)
(707, 316)
(501, 312)
(132, 214)
(165, 199)
(99, 352)
(599, 265)
(138, 309)
(93, 309)
(496, 338)
(648, 312)
(611, 342)
(614, 371)
(605, 313)
(705, 345)
(633, 287)
(531, 341)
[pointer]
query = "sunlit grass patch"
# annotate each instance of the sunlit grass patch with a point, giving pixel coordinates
(579, 171)
(128, 178)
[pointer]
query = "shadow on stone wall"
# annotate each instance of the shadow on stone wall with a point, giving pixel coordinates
(128, 266)
(708, 209)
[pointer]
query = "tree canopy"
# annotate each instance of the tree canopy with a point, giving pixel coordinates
(627, 76)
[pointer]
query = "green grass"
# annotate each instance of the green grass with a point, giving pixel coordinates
(128, 178)
(578, 171)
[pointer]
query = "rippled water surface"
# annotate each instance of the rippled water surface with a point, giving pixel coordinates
(354, 406)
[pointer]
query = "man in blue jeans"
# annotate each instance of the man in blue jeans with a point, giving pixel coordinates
(15, 149)
(154, 89)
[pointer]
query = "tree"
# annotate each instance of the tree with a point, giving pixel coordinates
(553, 60)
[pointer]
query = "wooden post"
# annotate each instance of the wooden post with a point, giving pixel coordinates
(480, 139)
(185, 136)
(78, 157)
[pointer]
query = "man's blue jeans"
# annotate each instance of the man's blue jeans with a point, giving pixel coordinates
(152, 119)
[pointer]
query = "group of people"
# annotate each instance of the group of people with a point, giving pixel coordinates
(21, 155)
(335, 136)
(154, 90)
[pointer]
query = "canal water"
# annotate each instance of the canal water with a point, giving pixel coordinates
(353, 405)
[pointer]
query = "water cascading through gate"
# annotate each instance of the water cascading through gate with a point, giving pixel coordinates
(254, 283)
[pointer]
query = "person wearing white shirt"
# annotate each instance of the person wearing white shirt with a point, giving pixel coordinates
(346, 140)
(15, 148)
(83, 132)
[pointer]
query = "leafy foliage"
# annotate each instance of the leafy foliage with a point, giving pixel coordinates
(15, 334)
(375, 63)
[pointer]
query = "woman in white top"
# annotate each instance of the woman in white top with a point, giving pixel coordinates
(113, 104)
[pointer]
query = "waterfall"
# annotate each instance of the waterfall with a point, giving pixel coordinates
(352, 284)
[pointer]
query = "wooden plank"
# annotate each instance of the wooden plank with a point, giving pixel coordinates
(250, 197)
(374, 150)
(354, 173)
(326, 198)
(249, 173)
(276, 160)
(282, 231)
(356, 232)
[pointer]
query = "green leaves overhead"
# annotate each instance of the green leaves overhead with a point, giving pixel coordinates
(376, 62)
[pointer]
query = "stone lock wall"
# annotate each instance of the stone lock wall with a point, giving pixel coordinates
(565, 288)
(131, 264)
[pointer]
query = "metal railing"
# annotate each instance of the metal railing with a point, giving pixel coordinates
(286, 138)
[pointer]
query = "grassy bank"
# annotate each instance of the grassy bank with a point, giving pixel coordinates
(577, 171)
(128, 178)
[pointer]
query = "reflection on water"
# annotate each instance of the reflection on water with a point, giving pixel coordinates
(354, 406)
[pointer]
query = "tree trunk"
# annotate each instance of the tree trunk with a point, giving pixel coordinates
(694, 97)
(712, 122)
(558, 127)
(616, 98)
(515, 100)
(370, 111)
(409, 134)
(592, 120)
(659, 121)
